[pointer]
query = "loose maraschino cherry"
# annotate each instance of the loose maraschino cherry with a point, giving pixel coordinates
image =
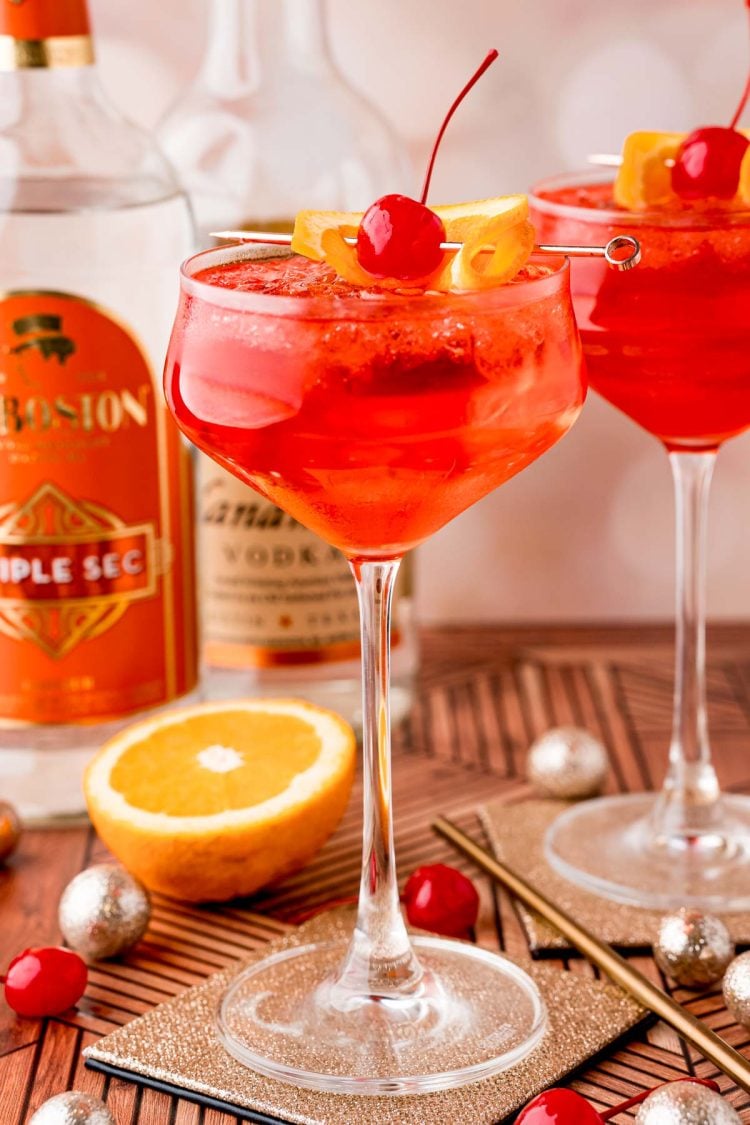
(400, 237)
(707, 164)
(442, 899)
(558, 1106)
(45, 981)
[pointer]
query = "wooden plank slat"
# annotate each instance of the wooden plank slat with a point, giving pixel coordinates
(483, 695)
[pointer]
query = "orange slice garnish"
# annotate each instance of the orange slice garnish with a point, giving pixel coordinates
(497, 240)
(644, 178)
(311, 226)
(743, 191)
(496, 234)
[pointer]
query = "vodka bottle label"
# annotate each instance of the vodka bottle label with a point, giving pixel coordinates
(272, 592)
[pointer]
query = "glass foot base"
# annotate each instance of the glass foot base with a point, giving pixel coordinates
(609, 846)
(473, 1014)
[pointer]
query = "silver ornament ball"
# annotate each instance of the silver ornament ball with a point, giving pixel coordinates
(736, 989)
(693, 948)
(104, 911)
(686, 1103)
(567, 763)
(72, 1108)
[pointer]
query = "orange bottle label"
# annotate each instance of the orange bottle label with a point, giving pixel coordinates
(96, 562)
(43, 19)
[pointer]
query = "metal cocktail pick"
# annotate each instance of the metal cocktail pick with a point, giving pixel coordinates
(614, 160)
(632, 981)
(621, 252)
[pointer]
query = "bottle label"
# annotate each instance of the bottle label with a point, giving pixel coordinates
(272, 593)
(96, 578)
(44, 33)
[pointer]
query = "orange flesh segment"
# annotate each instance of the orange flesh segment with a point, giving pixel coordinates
(164, 774)
(496, 234)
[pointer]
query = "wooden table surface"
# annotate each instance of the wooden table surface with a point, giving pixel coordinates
(483, 695)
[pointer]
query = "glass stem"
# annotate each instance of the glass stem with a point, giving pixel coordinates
(380, 962)
(690, 803)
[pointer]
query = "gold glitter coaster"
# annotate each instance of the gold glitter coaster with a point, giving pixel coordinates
(175, 1047)
(517, 832)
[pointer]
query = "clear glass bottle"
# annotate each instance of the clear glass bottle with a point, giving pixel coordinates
(97, 598)
(267, 127)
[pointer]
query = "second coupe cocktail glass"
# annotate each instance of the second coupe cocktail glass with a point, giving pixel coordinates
(374, 419)
(672, 350)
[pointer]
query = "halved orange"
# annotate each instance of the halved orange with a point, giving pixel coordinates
(217, 800)
(496, 235)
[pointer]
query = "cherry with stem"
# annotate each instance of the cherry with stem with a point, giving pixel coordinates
(483, 66)
(708, 162)
(401, 237)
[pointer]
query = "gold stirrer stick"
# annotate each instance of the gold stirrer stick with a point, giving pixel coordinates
(632, 981)
(621, 252)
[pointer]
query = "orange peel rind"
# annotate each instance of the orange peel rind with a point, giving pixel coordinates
(744, 185)
(496, 234)
(497, 241)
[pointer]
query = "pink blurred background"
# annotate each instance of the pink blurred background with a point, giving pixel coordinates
(586, 533)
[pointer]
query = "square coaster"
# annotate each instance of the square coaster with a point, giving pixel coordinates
(175, 1048)
(517, 832)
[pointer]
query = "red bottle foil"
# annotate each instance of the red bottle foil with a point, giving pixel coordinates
(43, 19)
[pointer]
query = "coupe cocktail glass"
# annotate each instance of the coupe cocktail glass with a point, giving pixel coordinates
(671, 349)
(374, 419)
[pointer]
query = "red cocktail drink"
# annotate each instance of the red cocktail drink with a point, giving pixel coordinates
(670, 348)
(374, 419)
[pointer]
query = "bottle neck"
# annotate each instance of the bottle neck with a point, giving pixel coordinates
(259, 42)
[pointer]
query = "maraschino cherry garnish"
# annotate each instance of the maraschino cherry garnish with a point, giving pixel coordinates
(45, 981)
(400, 237)
(558, 1106)
(707, 164)
(441, 899)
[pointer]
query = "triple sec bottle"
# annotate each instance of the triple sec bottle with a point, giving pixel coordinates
(96, 554)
